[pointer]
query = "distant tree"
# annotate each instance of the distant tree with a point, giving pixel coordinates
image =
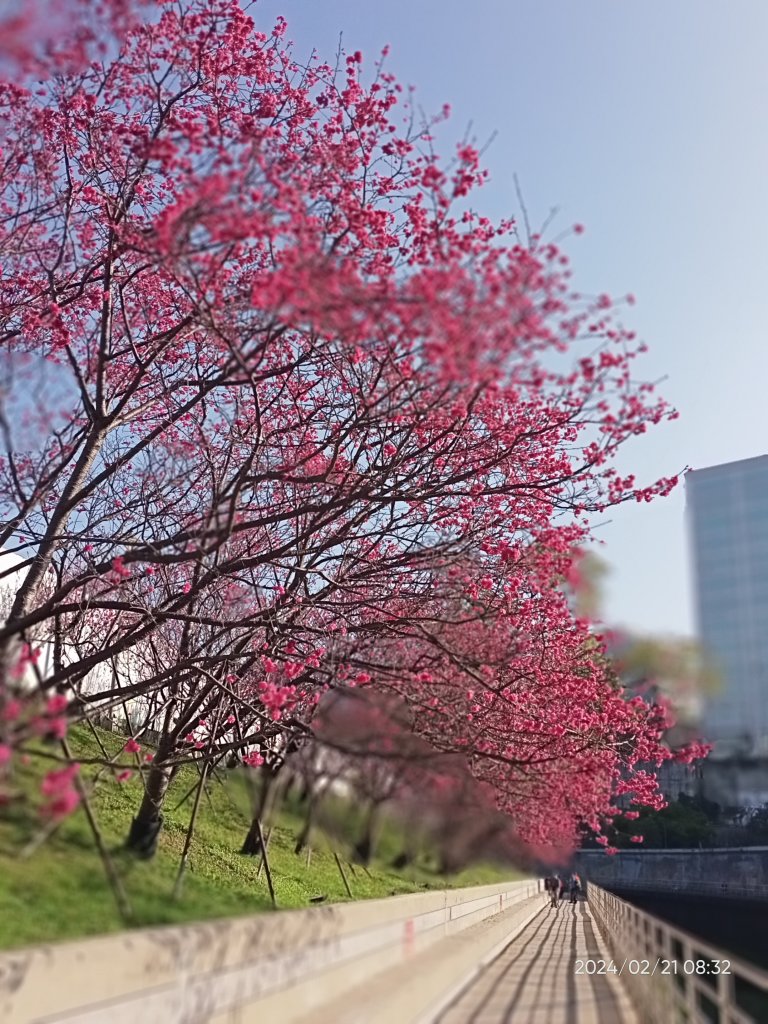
(709, 808)
(676, 668)
(756, 827)
(681, 824)
(587, 583)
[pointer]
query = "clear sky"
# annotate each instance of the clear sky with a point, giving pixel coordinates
(647, 122)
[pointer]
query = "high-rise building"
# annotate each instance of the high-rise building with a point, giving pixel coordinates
(728, 522)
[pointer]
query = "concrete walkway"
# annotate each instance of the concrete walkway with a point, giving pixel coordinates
(518, 967)
(534, 980)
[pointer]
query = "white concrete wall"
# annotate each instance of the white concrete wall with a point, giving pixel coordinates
(270, 968)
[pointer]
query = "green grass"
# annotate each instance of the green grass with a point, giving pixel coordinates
(59, 891)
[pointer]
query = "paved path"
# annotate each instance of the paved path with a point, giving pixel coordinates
(534, 980)
(526, 975)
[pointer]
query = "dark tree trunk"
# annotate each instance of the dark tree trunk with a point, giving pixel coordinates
(145, 828)
(364, 847)
(402, 860)
(303, 837)
(313, 802)
(411, 844)
(252, 842)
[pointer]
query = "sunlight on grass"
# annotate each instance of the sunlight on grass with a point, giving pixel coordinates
(60, 891)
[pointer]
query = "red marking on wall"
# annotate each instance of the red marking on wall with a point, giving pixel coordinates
(408, 937)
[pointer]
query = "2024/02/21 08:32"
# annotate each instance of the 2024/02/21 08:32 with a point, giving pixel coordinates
(660, 966)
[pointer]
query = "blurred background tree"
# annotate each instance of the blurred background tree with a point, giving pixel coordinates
(675, 668)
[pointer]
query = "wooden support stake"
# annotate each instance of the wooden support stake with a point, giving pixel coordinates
(121, 897)
(266, 847)
(343, 876)
(190, 833)
(266, 864)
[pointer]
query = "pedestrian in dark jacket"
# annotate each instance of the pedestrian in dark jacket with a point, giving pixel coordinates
(574, 887)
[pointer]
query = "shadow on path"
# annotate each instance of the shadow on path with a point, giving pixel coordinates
(533, 978)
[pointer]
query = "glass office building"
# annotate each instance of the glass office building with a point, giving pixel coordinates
(728, 522)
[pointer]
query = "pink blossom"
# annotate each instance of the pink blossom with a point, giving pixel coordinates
(57, 728)
(409, 332)
(5, 753)
(119, 567)
(132, 746)
(58, 780)
(12, 710)
(62, 804)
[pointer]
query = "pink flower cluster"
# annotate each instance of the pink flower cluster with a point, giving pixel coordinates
(58, 787)
(120, 569)
(276, 698)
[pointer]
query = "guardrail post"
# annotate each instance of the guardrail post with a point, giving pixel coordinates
(632, 934)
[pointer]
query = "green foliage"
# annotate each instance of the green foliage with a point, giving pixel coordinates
(711, 810)
(590, 591)
(756, 827)
(679, 667)
(59, 889)
(681, 824)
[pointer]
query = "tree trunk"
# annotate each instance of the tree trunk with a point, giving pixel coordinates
(252, 842)
(315, 795)
(145, 827)
(364, 847)
(303, 837)
(411, 842)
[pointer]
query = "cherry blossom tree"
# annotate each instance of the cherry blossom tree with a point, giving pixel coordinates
(326, 426)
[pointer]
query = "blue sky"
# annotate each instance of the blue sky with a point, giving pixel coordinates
(647, 122)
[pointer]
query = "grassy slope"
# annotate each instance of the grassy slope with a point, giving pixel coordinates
(59, 891)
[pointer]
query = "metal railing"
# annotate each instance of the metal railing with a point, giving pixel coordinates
(673, 976)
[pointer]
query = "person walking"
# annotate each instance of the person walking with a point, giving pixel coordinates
(574, 887)
(561, 889)
(552, 885)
